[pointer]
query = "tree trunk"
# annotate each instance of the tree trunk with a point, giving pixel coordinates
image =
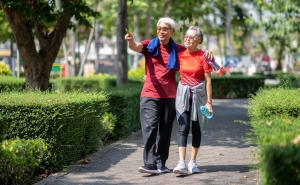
(97, 45)
(86, 49)
(122, 24)
(72, 36)
(279, 53)
(136, 36)
(148, 21)
(220, 50)
(37, 61)
(228, 49)
(207, 23)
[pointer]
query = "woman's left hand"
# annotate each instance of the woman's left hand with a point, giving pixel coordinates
(209, 55)
(209, 106)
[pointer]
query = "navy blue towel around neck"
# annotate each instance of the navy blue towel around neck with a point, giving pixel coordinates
(153, 49)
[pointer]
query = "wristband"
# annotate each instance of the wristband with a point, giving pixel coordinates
(208, 102)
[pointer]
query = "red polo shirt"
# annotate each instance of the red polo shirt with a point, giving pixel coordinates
(160, 81)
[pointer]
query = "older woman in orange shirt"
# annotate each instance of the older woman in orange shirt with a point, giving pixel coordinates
(194, 89)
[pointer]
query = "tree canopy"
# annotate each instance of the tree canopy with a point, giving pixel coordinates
(46, 22)
(280, 20)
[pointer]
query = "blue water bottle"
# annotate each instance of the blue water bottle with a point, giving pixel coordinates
(205, 112)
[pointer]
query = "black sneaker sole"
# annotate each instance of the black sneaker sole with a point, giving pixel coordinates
(142, 170)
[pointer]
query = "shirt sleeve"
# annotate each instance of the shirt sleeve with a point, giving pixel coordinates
(145, 44)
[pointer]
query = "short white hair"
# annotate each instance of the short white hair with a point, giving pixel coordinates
(166, 20)
(198, 30)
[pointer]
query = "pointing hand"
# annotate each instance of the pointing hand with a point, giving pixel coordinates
(128, 36)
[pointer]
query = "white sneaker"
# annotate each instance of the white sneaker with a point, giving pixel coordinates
(192, 167)
(180, 168)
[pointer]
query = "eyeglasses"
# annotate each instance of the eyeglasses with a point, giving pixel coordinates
(163, 29)
(190, 37)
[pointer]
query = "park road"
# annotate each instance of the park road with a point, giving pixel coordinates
(224, 156)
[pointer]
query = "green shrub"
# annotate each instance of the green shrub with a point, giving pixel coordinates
(10, 83)
(4, 70)
(124, 102)
(236, 74)
(236, 86)
(77, 84)
(86, 84)
(281, 165)
(106, 81)
(2, 127)
(279, 154)
(275, 121)
(136, 74)
(278, 101)
(19, 160)
(108, 125)
(275, 129)
(290, 79)
(70, 123)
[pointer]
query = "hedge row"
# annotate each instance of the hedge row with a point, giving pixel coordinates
(275, 120)
(124, 102)
(236, 86)
(94, 83)
(69, 123)
(8, 84)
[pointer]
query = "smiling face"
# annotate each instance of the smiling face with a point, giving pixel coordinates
(164, 32)
(191, 39)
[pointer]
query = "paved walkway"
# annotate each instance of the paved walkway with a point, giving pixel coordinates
(223, 157)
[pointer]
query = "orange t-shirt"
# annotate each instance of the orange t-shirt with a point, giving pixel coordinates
(192, 67)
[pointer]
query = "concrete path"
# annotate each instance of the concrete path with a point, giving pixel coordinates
(223, 158)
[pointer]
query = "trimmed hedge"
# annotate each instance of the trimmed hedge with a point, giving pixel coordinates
(236, 86)
(274, 117)
(281, 164)
(2, 127)
(223, 87)
(69, 123)
(124, 102)
(9, 83)
(13, 84)
(86, 84)
(278, 101)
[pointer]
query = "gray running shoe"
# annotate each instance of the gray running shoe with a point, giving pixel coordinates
(152, 169)
(180, 168)
(192, 167)
(163, 169)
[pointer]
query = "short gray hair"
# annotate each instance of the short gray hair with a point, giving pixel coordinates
(198, 30)
(166, 20)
